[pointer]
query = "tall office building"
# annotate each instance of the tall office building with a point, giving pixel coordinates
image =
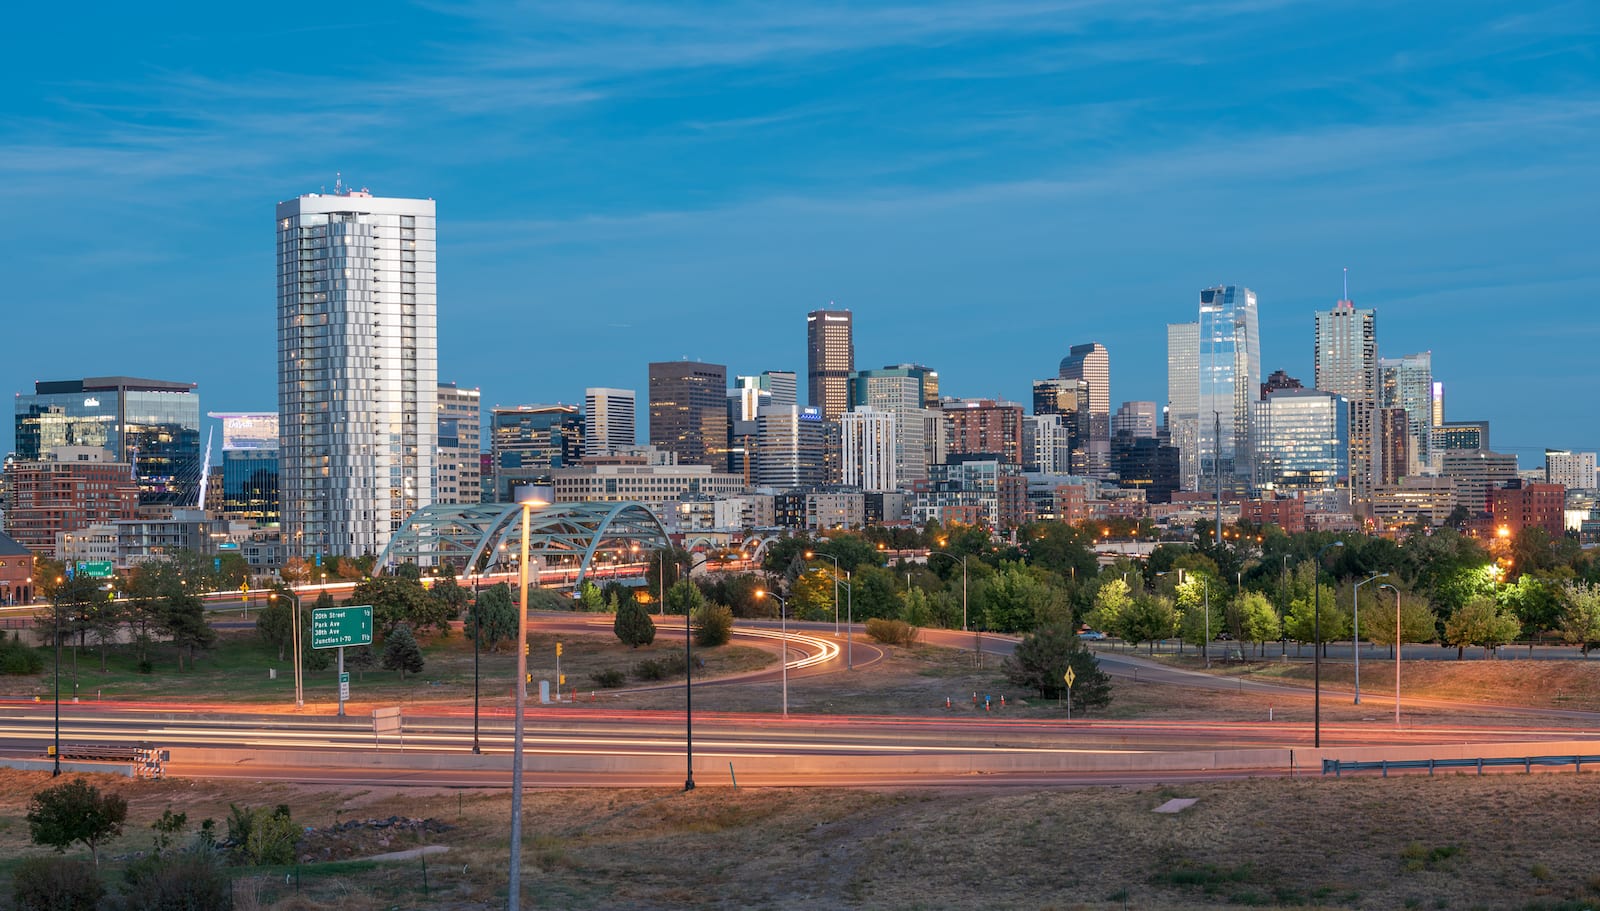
(1230, 374)
(528, 442)
(1183, 400)
(1302, 441)
(689, 411)
(458, 472)
(830, 357)
(1572, 470)
(870, 449)
(152, 424)
(358, 376)
(249, 470)
(792, 448)
(1090, 363)
(985, 427)
(609, 417)
(1135, 419)
(1407, 382)
(903, 390)
(1346, 363)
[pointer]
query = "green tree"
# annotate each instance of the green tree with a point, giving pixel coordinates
(684, 597)
(915, 608)
(1301, 624)
(1417, 621)
(1580, 615)
(1016, 599)
(183, 619)
(590, 599)
(360, 659)
(1481, 622)
(876, 594)
(451, 597)
(400, 651)
(275, 623)
(1255, 619)
(495, 614)
(1041, 659)
(633, 625)
(1151, 618)
(75, 812)
(713, 625)
(811, 596)
(398, 599)
(51, 883)
(1111, 601)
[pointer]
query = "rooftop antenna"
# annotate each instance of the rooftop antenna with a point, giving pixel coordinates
(338, 183)
(1346, 283)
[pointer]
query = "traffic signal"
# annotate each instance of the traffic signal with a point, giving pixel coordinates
(562, 681)
(525, 648)
(558, 650)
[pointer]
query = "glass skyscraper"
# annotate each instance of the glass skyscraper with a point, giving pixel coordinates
(1302, 441)
(153, 424)
(1407, 382)
(358, 376)
(1230, 377)
(249, 467)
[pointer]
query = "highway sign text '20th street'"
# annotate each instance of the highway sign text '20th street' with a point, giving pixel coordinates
(332, 627)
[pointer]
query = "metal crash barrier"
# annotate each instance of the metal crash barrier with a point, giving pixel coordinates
(147, 760)
(1340, 766)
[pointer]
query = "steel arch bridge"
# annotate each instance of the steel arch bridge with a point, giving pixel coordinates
(472, 537)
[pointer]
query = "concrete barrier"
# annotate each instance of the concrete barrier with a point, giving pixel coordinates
(911, 765)
(125, 769)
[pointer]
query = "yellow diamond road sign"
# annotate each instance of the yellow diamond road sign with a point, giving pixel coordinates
(1069, 676)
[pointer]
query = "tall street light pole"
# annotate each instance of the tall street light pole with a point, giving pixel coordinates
(812, 554)
(1355, 629)
(1316, 651)
(59, 582)
(1397, 640)
(963, 559)
(530, 497)
(688, 686)
(783, 647)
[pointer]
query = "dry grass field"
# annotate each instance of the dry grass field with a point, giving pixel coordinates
(1502, 841)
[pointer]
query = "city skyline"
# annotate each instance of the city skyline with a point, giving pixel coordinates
(981, 241)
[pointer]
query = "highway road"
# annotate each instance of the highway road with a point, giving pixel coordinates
(573, 745)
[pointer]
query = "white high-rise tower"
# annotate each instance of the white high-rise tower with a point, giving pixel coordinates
(357, 368)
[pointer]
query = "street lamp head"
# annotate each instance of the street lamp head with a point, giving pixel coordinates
(533, 496)
(810, 554)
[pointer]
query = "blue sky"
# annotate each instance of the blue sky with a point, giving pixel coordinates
(984, 184)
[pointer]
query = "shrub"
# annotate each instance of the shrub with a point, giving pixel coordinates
(633, 625)
(668, 666)
(610, 678)
(261, 836)
(713, 625)
(190, 880)
(19, 659)
(892, 632)
(75, 812)
(55, 884)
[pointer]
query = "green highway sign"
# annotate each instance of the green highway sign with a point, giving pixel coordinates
(333, 627)
(97, 569)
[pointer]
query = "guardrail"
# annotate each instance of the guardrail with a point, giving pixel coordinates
(148, 762)
(1339, 766)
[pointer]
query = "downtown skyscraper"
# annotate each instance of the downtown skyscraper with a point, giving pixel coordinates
(1346, 363)
(357, 368)
(1230, 376)
(830, 358)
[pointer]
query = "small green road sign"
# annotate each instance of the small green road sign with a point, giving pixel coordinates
(332, 627)
(96, 569)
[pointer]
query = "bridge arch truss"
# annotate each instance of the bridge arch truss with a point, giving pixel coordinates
(476, 537)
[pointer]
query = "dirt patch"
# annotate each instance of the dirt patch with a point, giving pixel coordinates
(367, 837)
(1507, 841)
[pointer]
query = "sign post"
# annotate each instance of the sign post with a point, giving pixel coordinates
(1069, 676)
(337, 627)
